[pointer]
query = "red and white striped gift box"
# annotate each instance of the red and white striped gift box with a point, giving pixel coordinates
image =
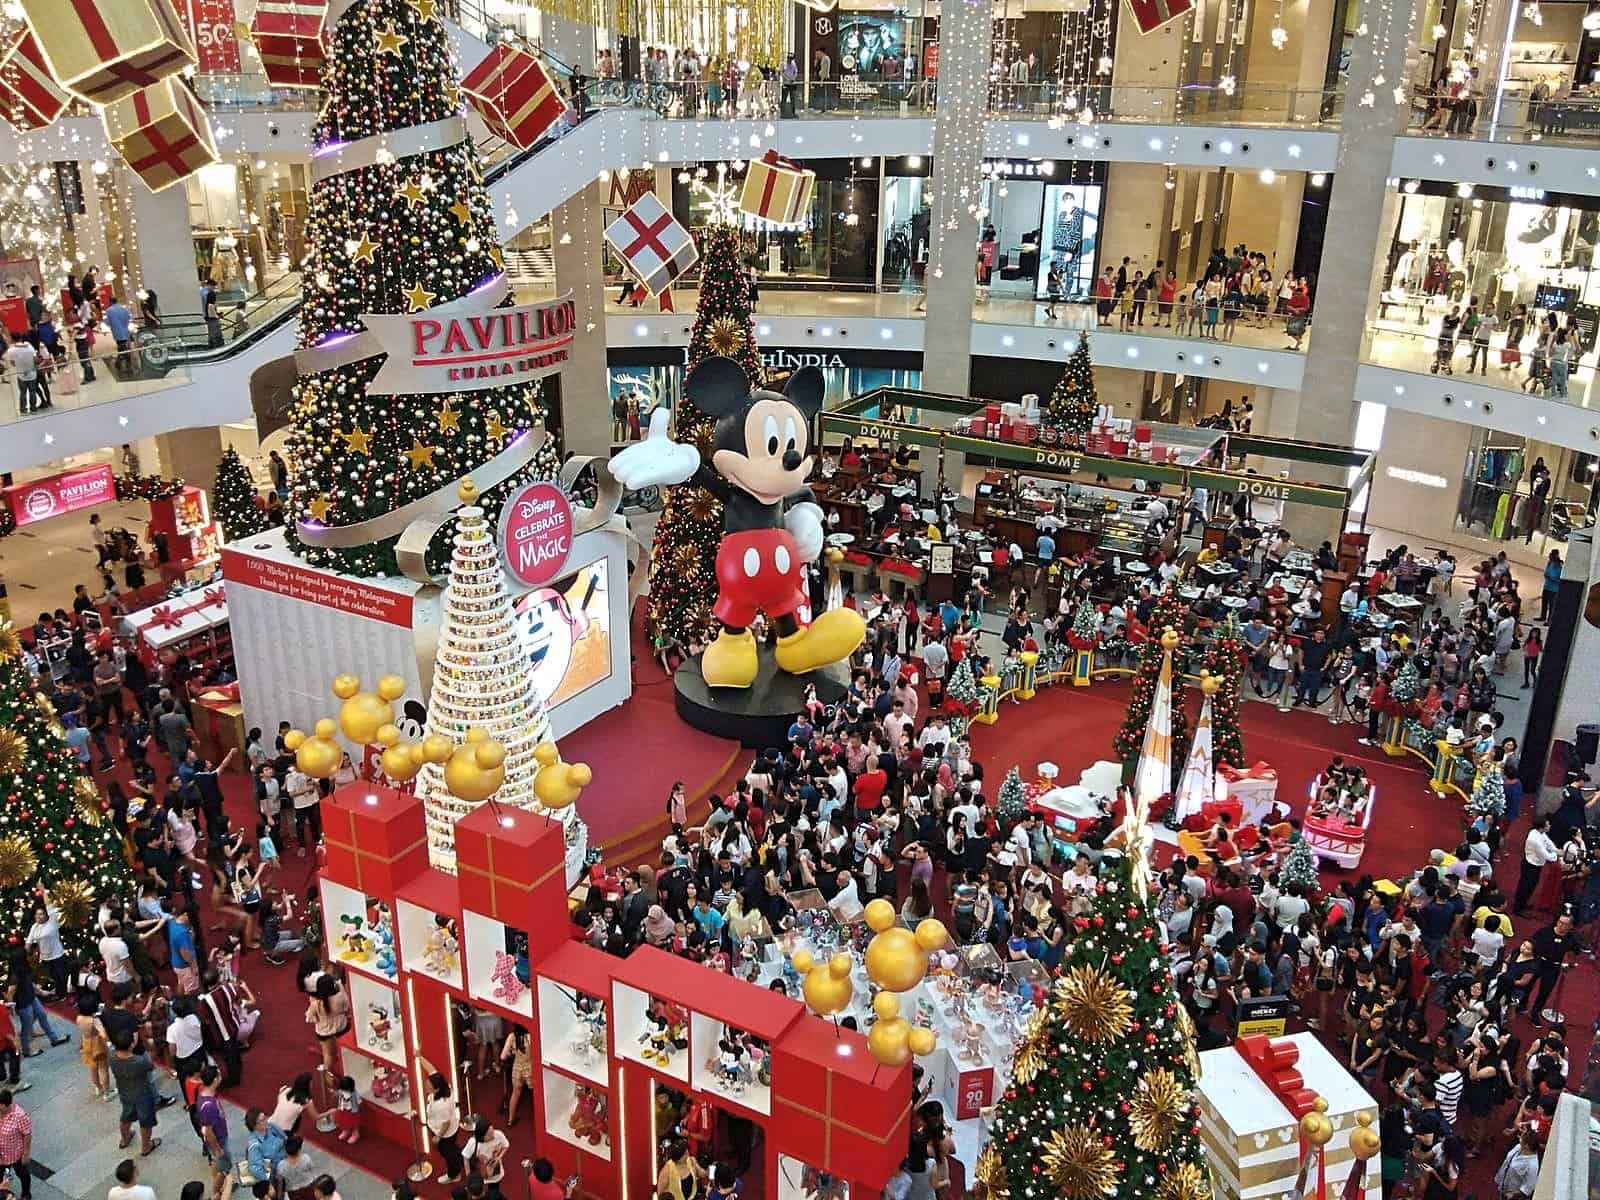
(30, 98)
(107, 51)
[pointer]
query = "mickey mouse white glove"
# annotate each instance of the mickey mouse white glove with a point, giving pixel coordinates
(657, 460)
(804, 523)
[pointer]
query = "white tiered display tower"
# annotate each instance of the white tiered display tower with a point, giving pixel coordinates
(482, 679)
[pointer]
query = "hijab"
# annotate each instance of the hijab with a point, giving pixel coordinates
(658, 927)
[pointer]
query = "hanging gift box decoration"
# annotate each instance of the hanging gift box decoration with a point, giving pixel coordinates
(656, 248)
(30, 95)
(288, 38)
(105, 50)
(1151, 15)
(162, 133)
(777, 190)
(515, 96)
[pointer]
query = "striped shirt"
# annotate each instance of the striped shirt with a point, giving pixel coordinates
(1447, 1091)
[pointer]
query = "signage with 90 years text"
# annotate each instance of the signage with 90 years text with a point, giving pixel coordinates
(536, 531)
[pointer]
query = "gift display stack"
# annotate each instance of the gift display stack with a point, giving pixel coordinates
(288, 40)
(777, 190)
(1008, 422)
(514, 94)
(30, 96)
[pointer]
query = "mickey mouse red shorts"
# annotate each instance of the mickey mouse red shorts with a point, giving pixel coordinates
(758, 570)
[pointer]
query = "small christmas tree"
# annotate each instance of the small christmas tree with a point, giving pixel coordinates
(1101, 1102)
(1299, 866)
(1074, 402)
(1225, 659)
(233, 498)
(1011, 805)
(1407, 690)
(963, 688)
(1488, 800)
(683, 577)
(57, 843)
(1085, 623)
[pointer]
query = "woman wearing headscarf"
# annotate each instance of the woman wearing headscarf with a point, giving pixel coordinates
(658, 927)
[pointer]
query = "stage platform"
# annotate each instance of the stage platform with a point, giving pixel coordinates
(760, 715)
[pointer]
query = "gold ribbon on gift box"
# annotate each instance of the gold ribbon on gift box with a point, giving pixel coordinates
(829, 1121)
(495, 882)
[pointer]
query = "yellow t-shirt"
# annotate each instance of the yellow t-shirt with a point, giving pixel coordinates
(1483, 910)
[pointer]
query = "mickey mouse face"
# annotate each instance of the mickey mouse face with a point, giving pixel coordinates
(762, 437)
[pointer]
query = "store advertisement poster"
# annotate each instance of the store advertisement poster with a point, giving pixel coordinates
(567, 627)
(1069, 237)
(57, 495)
(1534, 235)
(17, 277)
(866, 39)
(211, 24)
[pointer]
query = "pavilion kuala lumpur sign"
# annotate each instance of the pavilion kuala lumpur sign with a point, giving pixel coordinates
(466, 346)
(56, 495)
(536, 532)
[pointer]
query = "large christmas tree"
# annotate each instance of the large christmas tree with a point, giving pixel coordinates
(233, 498)
(57, 843)
(1225, 660)
(406, 234)
(1073, 403)
(1170, 612)
(1101, 1100)
(683, 577)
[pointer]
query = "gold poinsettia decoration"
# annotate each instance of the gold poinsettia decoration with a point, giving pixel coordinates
(686, 560)
(17, 862)
(47, 713)
(1191, 1049)
(725, 336)
(1186, 1181)
(13, 751)
(86, 801)
(1160, 1106)
(991, 1173)
(10, 643)
(1093, 1004)
(74, 900)
(1080, 1164)
(701, 504)
(1032, 1049)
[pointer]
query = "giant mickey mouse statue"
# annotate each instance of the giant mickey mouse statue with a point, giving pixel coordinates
(771, 521)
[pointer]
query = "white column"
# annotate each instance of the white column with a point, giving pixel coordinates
(165, 248)
(585, 405)
(89, 226)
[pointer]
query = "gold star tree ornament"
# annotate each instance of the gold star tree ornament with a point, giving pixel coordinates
(1093, 1004)
(357, 441)
(390, 41)
(1159, 1108)
(1186, 1181)
(420, 456)
(1080, 1164)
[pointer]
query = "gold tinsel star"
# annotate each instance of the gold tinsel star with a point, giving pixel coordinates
(991, 1172)
(1093, 1004)
(1033, 1049)
(411, 192)
(726, 336)
(495, 428)
(1160, 1107)
(365, 252)
(418, 297)
(86, 801)
(419, 455)
(320, 507)
(1080, 1164)
(701, 504)
(357, 441)
(390, 41)
(461, 211)
(10, 643)
(1186, 1181)
(423, 8)
(13, 751)
(17, 862)
(449, 419)
(685, 561)
(74, 900)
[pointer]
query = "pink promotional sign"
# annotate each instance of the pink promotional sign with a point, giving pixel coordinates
(536, 533)
(56, 495)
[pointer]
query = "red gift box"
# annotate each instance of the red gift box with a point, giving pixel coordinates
(288, 38)
(162, 133)
(1099, 443)
(513, 867)
(32, 97)
(776, 189)
(515, 96)
(991, 412)
(1144, 433)
(1151, 15)
(106, 51)
(374, 837)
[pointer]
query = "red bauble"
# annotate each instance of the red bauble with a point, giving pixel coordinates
(1099, 921)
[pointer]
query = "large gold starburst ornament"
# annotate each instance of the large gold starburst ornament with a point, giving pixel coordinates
(17, 862)
(991, 1173)
(702, 439)
(1093, 1004)
(1032, 1049)
(1080, 1164)
(86, 801)
(701, 504)
(13, 751)
(725, 336)
(1185, 1181)
(47, 711)
(74, 900)
(10, 643)
(1160, 1106)
(685, 560)
(1191, 1049)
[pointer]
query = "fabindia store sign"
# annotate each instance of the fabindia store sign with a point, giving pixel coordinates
(57, 495)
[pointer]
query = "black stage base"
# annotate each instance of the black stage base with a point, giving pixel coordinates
(760, 715)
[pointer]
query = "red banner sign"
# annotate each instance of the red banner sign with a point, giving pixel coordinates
(536, 534)
(315, 587)
(56, 495)
(211, 24)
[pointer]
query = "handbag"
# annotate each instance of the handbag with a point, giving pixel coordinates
(1296, 326)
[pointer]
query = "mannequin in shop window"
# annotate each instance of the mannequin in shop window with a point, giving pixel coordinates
(225, 274)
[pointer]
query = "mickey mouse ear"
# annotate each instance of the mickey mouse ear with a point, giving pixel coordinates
(806, 390)
(718, 386)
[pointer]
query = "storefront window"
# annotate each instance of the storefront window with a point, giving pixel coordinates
(1036, 227)
(1517, 489)
(248, 225)
(904, 223)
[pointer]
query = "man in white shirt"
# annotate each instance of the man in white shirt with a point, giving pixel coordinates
(846, 903)
(302, 791)
(128, 1186)
(22, 360)
(186, 1037)
(45, 936)
(119, 965)
(935, 658)
(1538, 851)
(1488, 941)
(1020, 841)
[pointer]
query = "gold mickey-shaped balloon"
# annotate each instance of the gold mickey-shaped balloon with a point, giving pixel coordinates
(558, 784)
(886, 1005)
(475, 735)
(467, 491)
(1364, 1140)
(825, 992)
(890, 1042)
(1170, 639)
(802, 960)
(397, 763)
(318, 757)
(839, 966)
(880, 915)
(326, 728)
(467, 779)
(293, 740)
(922, 1040)
(490, 755)
(436, 747)
(387, 735)
(361, 716)
(895, 961)
(346, 685)
(416, 754)
(931, 934)
(391, 687)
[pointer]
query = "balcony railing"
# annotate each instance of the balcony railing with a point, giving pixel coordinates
(1419, 350)
(1512, 117)
(1245, 104)
(102, 378)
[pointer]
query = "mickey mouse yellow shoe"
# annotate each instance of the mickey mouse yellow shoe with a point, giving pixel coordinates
(833, 636)
(730, 660)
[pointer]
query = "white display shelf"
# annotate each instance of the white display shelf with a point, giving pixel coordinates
(704, 1035)
(365, 995)
(628, 1008)
(560, 1101)
(415, 926)
(481, 937)
(339, 902)
(363, 1069)
(559, 1027)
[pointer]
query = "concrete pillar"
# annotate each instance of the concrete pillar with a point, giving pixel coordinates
(165, 249)
(191, 454)
(89, 226)
(965, 35)
(1144, 75)
(569, 41)
(1315, 37)
(585, 408)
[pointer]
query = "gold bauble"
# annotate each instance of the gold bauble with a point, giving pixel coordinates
(1160, 1107)
(880, 915)
(991, 1172)
(826, 993)
(922, 1041)
(326, 728)
(468, 781)
(890, 1042)
(931, 934)
(362, 715)
(74, 900)
(13, 751)
(293, 740)
(436, 747)
(10, 643)
(1186, 1181)
(387, 735)
(802, 960)
(346, 685)
(895, 961)
(467, 491)
(17, 862)
(391, 687)
(1364, 1139)
(886, 1005)
(318, 757)
(1093, 1004)
(86, 802)
(1080, 1164)
(398, 764)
